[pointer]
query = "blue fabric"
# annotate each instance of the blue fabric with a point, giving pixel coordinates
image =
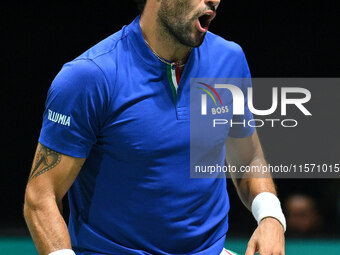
(134, 194)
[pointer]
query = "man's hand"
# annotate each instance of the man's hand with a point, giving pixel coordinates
(267, 239)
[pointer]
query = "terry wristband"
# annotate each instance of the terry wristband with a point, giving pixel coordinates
(266, 204)
(63, 252)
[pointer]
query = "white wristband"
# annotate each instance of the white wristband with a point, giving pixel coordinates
(266, 204)
(63, 252)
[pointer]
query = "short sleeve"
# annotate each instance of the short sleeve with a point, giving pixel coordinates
(75, 109)
(243, 130)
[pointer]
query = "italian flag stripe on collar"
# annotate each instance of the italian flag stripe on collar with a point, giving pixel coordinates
(173, 77)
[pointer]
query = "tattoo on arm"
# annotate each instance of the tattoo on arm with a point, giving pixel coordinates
(46, 160)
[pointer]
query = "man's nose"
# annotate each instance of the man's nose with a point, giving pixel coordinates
(213, 3)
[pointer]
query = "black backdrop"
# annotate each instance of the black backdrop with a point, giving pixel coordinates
(280, 39)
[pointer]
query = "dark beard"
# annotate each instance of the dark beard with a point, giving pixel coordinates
(179, 31)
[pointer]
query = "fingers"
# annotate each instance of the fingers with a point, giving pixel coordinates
(269, 250)
(269, 238)
(251, 248)
(264, 248)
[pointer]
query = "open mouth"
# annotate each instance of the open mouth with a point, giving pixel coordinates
(204, 20)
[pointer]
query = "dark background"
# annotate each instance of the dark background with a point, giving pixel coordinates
(280, 39)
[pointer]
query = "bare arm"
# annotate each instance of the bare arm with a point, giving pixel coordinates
(243, 152)
(268, 238)
(51, 176)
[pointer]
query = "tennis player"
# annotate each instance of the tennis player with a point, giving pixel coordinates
(115, 136)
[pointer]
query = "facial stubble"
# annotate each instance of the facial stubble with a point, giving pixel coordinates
(174, 25)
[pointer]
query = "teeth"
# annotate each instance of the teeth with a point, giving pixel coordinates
(206, 14)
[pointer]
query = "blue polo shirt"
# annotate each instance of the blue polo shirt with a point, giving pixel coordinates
(114, 105)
